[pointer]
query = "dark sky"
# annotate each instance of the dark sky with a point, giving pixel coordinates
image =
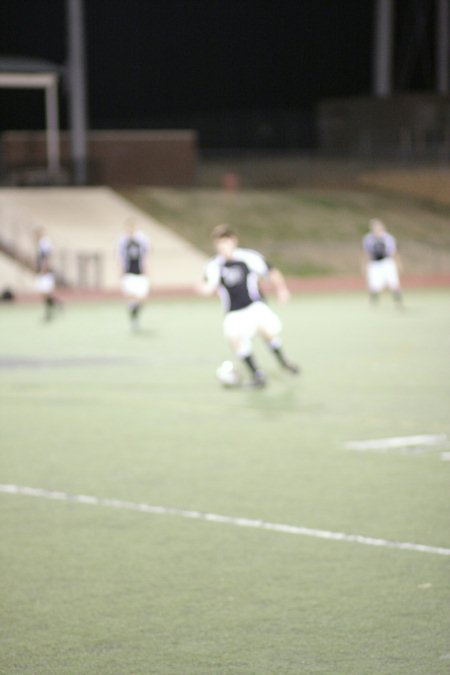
(175, 60)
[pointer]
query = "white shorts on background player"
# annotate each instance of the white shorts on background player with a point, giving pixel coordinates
(45, 283)
(135, 285)
(246, 323)
(382, 274)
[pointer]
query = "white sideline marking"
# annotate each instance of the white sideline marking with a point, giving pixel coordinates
(217, 518)
(397, 442)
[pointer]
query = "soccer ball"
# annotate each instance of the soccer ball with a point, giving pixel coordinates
(227, 374)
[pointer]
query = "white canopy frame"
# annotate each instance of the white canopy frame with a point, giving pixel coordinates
(47, 81)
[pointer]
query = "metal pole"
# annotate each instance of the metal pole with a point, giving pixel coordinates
(77, 88)
(383, 34)
(442, 51)
(52, 117)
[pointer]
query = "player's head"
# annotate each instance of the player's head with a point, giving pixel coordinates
(225, 240)
(39, 232)
(377, 227)
(131, 226)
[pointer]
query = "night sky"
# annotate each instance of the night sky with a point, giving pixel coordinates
(170, 62)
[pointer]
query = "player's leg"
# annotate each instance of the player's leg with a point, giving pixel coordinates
(393, 282)
(270, 327)
(128, 289)
(239, 331)
(134, 308)
(398, 297)
(375, 281)
(135, 287)
(275, 344)
(46, 287)
(49, 306)
(53, 305)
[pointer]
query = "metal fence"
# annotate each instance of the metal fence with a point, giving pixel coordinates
(77, 268)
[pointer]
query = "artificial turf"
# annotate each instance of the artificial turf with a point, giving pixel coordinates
(90, 408)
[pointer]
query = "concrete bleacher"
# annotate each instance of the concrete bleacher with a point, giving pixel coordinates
(14, 276)
(84, 225)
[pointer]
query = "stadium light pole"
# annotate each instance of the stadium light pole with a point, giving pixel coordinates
(442, 49)
(383, 36)
(76, 68)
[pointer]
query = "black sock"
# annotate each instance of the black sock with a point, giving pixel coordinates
(249, 360)
(49, 304)
(284, 363)
(279, 355)
(134, 311)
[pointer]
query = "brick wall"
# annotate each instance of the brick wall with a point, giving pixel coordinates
(116, 158)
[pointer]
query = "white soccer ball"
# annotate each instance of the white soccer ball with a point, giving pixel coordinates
(227, 374)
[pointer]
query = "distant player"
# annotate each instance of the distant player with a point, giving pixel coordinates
(45, 282)
(134, 249)
(235, 273)
(380, 250)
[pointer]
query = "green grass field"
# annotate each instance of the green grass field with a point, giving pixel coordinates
(89, 408)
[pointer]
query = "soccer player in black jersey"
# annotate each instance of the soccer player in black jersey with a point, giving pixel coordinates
(380, 250)
(134, 247)
(45, 282)
(235, 273)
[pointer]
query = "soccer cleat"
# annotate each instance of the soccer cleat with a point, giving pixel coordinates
(291, 367)
(259, 379)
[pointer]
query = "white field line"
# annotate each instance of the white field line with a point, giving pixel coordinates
(397, 442)
(224, 520)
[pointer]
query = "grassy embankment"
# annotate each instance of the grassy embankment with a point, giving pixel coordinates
(306, 232)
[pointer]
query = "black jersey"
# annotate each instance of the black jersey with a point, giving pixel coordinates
(237, 280)
(132, 251)
(379, 247)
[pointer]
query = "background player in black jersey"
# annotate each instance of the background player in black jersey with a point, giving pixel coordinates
(235, 273)
(134, 247)
(380, 249)
(45, 282)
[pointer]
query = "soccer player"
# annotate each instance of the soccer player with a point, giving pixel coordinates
(45, 282)
(133, 250)
(380, 250)
(235, 273)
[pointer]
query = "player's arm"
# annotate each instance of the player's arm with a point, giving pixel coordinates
(365, 256)
(258, 264)
(210, 282)
(206, 289)
(120, 252)
(147, 250)
(279, 284)
(393, 252)
(144, 260)
(398, 261)
(120, 266)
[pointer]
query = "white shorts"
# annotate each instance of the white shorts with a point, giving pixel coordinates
(45, 283)
(248, 322)
(382, 274)
(135, 285)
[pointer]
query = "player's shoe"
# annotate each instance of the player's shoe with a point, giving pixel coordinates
(259, 380)
(291, 367)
